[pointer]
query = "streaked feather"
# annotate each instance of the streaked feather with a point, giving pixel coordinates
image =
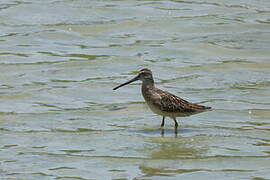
(162, 102)
(171, 103)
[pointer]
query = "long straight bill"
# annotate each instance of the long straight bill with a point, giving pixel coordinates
(130, 81)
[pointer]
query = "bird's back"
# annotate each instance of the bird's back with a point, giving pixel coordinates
(170, 103)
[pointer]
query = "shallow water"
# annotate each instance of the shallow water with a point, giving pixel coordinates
(60, 118)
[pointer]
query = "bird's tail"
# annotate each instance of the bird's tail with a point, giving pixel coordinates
(198, 107)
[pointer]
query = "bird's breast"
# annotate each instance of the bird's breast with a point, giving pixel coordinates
(149, 97)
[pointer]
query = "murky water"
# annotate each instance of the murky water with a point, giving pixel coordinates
(60, 59)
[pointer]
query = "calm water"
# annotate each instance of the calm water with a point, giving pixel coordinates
(60, 59)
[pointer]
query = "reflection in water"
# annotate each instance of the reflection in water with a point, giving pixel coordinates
(150, 172)
(162, 132)
(167, 151)
(58, 68)
(177, 148)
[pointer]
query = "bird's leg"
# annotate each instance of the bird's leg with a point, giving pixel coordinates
(175, 127)
(162, 132)
(175, 132)
(175, 123)
(163, 121)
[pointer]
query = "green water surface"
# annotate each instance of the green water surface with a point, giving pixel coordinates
(60, 118)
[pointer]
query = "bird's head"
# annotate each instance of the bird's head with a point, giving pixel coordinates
(144, 75)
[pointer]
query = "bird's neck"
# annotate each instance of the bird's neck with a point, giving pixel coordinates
(147, 84)
(147, 87)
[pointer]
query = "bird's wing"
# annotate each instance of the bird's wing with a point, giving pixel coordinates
(171, 103)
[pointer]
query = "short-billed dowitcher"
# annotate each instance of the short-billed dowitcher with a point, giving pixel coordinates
(162, 102)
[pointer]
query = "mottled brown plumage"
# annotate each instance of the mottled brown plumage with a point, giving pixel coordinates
(171, 103)
(162, 102)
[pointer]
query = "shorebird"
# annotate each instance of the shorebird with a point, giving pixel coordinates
(162, 102)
